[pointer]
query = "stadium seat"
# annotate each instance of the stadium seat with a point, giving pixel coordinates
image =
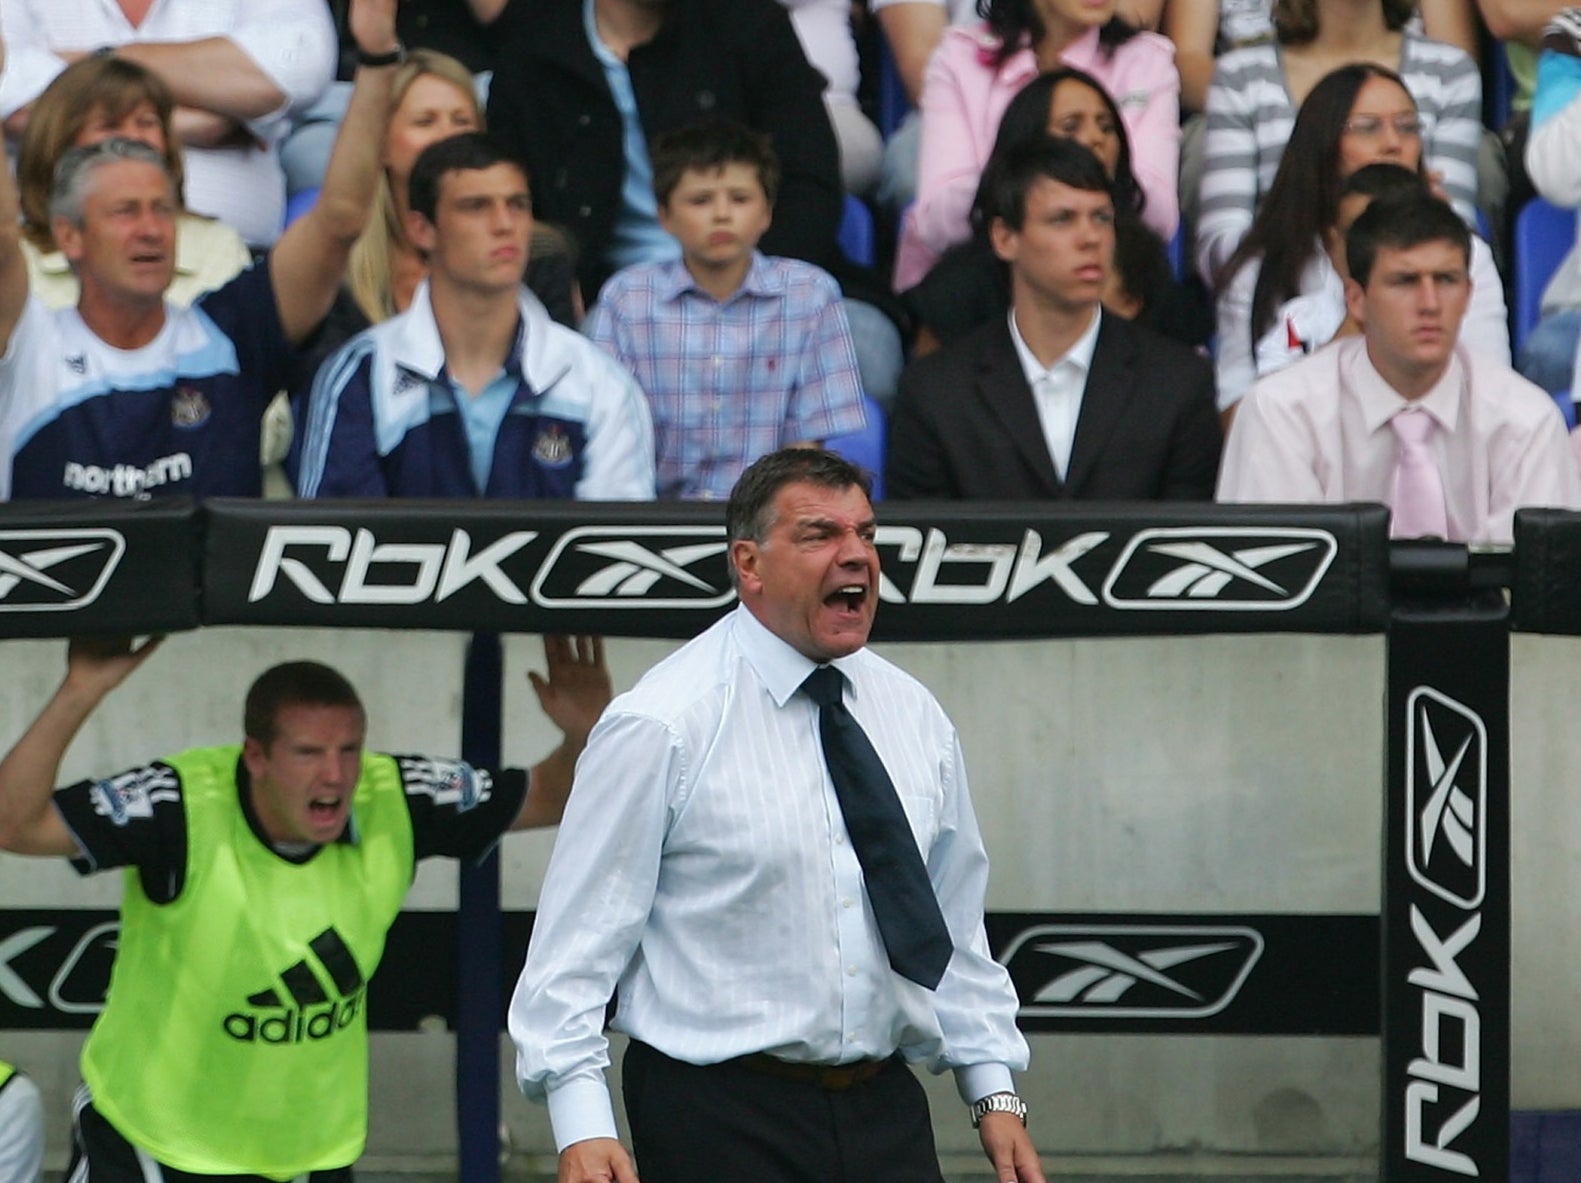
(1544, 235)
(865, 448)
(856, 232)
(893, 103)
(299, 203)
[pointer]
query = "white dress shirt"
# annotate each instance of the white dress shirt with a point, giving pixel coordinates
(292, 41)
(703, 865)
(1319, 431)
(1057, 389)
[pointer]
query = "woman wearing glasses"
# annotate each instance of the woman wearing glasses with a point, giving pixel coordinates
(1257, 89)
(1282, 292)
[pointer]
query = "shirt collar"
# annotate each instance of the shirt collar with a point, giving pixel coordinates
(1079, 354)
(675, 281)
(1380, 402)
(780, 668)
(415, 345)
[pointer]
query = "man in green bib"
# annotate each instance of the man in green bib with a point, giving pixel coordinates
(260, 882)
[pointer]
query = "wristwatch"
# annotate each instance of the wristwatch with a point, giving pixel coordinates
(998, 1103)
(394, 58)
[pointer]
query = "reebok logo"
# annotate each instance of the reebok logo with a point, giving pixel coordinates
(302, 1009)
(1228, 568)
(371, 572)
(1446, 797)
(1130, 971)
(56, 570)
(635, 567)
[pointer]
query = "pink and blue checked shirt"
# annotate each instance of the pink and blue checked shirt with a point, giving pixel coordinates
(728, 382)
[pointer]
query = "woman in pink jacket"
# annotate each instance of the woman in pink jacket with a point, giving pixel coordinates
(977, 70)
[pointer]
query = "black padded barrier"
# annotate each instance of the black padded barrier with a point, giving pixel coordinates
(108, 567)
(950, 571)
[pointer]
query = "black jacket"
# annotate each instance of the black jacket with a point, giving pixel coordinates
(965, 426)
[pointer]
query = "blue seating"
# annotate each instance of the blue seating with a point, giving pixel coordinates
(865, 448)
(1544, 234)
(857, 237)
(893, 102)
(299, 203)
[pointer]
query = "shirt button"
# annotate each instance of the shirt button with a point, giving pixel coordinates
(851, 1038)
(850, 971)
(839, 839)
(584, 119)
(847, 902)
(585, 211)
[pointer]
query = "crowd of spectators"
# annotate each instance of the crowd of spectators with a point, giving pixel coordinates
(673, 180)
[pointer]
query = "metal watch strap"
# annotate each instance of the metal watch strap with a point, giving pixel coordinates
(998, 1103)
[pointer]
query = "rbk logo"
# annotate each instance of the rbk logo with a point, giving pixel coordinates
(303, 1010)
(1224, 569)
(1130, 971)
(1446, 786)
(56, 570)
(635, 567)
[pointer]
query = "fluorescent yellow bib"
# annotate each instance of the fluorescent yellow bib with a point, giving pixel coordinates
(235, 1036)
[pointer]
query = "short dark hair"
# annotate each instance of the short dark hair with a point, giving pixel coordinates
(293, 683)
(1401, 221)
(1010, 177)
(471, 151)
(1382, 178)
(749, 513)
(708, 145)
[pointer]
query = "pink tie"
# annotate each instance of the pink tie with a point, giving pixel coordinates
(1418, 503)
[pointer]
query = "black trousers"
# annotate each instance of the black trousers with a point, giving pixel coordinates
(726, 1122)
(99, 1154)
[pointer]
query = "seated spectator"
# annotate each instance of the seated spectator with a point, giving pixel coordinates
(95, 100)
(1282, 295)
(1257, 90)
(21, 1128)
(593, 82)
(1404, 414)
(432, 99)
(1553, 160)
(969, 286)
(1060, 398)
(975, 74)
(740, 354)
(237, 69)
(130, 396)
(473, 390)
(824, 29)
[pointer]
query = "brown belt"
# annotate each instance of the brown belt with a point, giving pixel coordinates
(833, 1077)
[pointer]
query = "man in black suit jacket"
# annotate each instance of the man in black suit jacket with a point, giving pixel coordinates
(1062, 399)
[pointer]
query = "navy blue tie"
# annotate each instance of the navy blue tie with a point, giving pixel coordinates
(907, 911)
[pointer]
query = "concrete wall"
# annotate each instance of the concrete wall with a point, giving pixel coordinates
(1208, 774)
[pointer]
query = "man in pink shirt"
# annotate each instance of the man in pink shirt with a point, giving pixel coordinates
(1401, 414)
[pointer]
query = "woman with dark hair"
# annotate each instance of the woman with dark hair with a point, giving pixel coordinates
(976, 71)
(1257, 89)
(1282, 291)
(968, 287)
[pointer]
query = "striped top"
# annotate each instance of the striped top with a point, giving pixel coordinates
(1250, 116)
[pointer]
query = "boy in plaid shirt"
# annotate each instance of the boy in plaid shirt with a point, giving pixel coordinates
(739, 353)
